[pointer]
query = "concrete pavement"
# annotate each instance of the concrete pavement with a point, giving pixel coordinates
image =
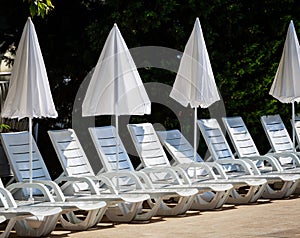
(277, 218)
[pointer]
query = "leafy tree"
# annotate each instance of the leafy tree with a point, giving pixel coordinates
(244, 40)
(39, 7)
(12, 16)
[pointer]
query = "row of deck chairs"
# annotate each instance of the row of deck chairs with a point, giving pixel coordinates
(157, 187)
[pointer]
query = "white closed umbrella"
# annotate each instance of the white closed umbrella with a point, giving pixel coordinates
(115, 87)
(195, 82)
(29, 95)
(286, 84)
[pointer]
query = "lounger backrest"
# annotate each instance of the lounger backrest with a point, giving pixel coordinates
(16, 147)
(277, 134)
(148, 145)
(71, 156)
(216, 141)
(70, 153)
(241, 138)
(178, 146)
(105, 141)
(296, 127)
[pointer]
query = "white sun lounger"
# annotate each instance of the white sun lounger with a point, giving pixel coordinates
(156, 164)
(17, 149)
(245, 190)
(68, 147)
(281, 144)
(28, 220)
(221, 153)
(105, 142)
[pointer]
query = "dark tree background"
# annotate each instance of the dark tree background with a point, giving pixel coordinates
(244, 41)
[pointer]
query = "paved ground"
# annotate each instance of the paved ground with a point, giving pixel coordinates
(279, 218)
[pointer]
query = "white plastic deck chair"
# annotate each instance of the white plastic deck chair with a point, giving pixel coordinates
(245, 147)
(84, 201)
(221, 153)
(156, 164)
(182, 153)
(16, 147)
(105, 141)
(280, 141)
(296, 126)
(28, 220)
(76, 164)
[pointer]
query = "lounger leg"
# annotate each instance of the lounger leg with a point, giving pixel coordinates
(286, 190)
(123, 212)
(8, 228)
(253, 194)
(46, 225)
(71, 222)
(216, 200)
(182, 205)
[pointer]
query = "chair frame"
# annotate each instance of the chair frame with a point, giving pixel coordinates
(154, 161)
(222, 153)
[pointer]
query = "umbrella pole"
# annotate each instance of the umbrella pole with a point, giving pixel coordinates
(30, 158)
(117, 150)
(195, 138)
(293, 127)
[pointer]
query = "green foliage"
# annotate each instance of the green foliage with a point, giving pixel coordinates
(39, 7)
(244, 41)
(4, 127)
(12, 19)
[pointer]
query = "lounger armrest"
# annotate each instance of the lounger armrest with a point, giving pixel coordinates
(145, 178)
(182, 174)
(168, 170)
(242, 163)
(90, 181)
(293, 155)
(7, 199)
(218, 168)
(20, 185)
(55, 189)
(140, 177)
(129, 174)
(271, 160)
(252, 165)
(108, 183)
(195, 165)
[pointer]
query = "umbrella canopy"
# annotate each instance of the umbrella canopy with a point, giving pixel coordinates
(115, 87)
(195, 83)
(286, 84)
(29, 92)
